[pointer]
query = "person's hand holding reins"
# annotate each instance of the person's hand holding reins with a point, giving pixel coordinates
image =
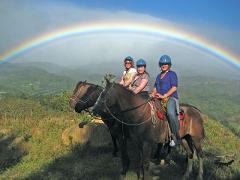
(164, 97)
(159, 96)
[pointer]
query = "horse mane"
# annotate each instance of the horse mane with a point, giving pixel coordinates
(125, 89)
(83, 82)
(129, 91)
(79, 82)
(189, 105)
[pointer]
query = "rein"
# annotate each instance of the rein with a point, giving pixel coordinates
(128, 124)
(136, 107)
(127, 110)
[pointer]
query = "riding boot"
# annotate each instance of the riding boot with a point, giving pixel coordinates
(173, 141)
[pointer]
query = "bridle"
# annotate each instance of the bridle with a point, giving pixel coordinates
(89, 96)
(76, 99)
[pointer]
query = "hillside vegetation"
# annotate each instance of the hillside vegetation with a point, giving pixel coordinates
(34, 112)
(219, 98)
(31, 147)
(16, 80)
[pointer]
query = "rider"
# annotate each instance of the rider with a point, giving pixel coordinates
(129, 72)
(165, 88)
(140, 84)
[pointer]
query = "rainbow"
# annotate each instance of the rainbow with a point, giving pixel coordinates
(122, 27)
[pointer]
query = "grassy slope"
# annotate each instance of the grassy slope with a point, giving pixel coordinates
(218, 98)
(31, 148)
(21, 80)
(30, 131)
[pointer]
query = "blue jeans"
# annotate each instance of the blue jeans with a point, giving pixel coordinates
(172, 112)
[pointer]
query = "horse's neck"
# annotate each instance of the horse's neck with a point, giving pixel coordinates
(134, 109)
(96, 90)
(127, 100)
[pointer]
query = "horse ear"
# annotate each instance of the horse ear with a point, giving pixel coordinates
(85, 81)
(107, 80)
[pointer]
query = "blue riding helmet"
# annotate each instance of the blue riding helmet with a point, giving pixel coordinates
(165, 59)
(128, 58)
(141, 62)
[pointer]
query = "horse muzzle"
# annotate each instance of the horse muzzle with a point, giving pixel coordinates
(72, 103)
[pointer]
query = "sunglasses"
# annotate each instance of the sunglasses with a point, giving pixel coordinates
(162, 64)
(128, 63)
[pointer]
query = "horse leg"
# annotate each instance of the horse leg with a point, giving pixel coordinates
(114, 136)
(198, 147)
(156, 152)
(115, 147)
(146, 160)
(124, 155)
(140, 161)
(161, 153)
(187, 144)
(165, 151)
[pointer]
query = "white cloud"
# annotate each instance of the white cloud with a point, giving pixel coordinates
(25, 20)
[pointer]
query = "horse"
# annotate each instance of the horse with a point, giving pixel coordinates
(84, 96)
(135, 112)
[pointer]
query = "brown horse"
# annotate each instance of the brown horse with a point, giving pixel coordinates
(84, 96)
(136, 113)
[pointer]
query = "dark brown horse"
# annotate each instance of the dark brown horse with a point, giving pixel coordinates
(84, 96)
(136, 113)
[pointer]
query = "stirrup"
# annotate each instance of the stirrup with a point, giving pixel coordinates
(172, 143)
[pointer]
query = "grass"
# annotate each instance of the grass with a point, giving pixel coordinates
(31, 148)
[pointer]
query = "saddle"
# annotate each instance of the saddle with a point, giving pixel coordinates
(161, 130)
(160, 108)
(160, 123)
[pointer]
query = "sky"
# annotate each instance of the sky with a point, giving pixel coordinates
(222, 12)
(216, 21)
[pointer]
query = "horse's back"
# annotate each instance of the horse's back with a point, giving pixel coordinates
(193, 122)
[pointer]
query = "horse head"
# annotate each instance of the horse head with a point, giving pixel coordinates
(106, 99)
(84, 96)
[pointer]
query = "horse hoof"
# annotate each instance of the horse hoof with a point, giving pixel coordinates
(162, 162)
(140, 178)
(123, 177)
(155, 178)
(124, 172)
(185, 177)
(199, 177)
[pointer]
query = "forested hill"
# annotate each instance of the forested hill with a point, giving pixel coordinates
(34, 112)
(217, 97)
(21, 80)
(32, 146)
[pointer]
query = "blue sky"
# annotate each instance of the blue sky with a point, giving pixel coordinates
(222, 12)
(216, 21)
